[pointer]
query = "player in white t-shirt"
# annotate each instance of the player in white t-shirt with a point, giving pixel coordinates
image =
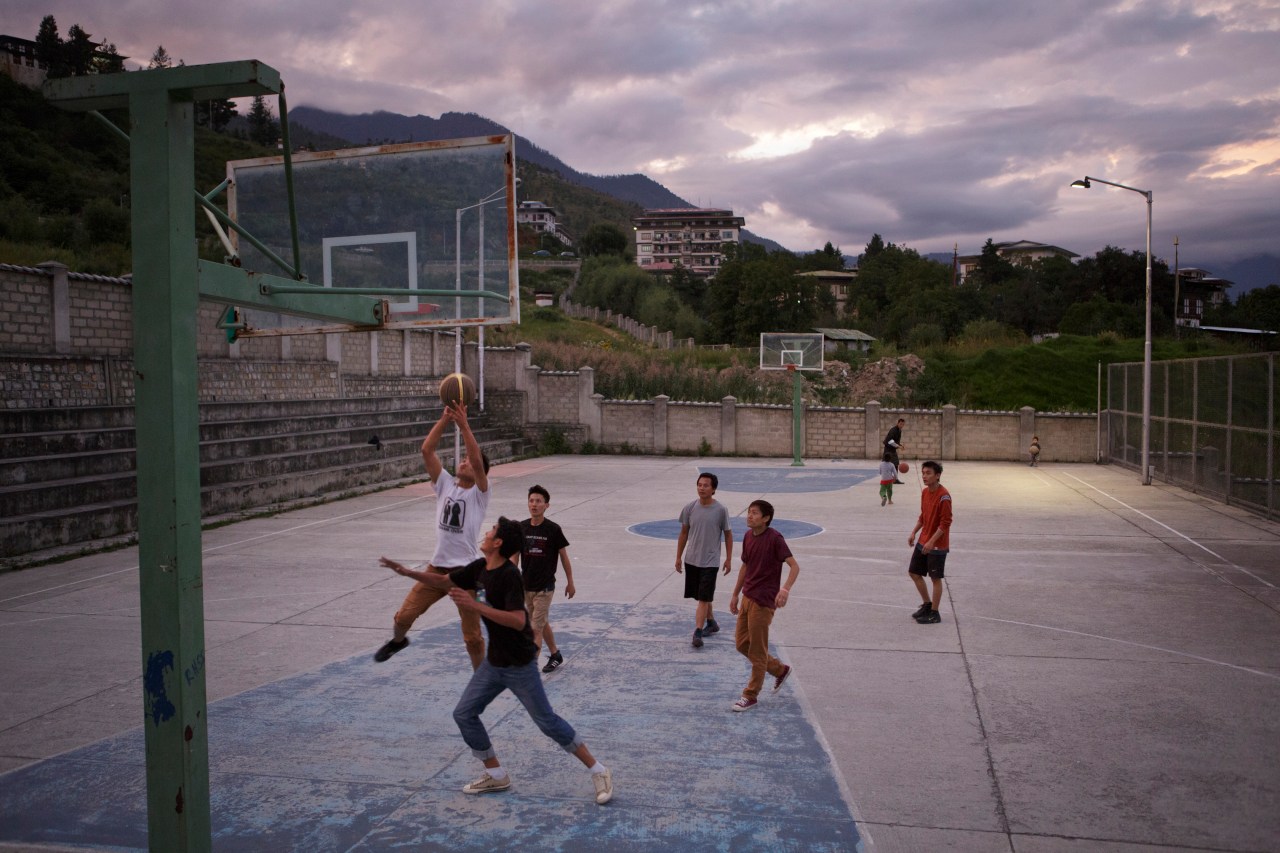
(461, 503)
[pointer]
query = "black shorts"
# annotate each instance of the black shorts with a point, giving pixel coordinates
(932, 564)
(699, 582)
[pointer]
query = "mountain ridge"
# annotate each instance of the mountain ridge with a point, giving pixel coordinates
(384, 127)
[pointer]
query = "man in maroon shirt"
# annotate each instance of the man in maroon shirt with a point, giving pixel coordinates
(764, 550)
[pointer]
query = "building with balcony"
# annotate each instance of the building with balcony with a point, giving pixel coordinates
(1198, 290)
(542, 217)
(692, 238)
(838, 282)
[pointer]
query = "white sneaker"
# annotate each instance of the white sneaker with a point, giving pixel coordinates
(485, 784)
(604, 786)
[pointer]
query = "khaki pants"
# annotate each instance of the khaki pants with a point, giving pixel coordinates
(752, 639)
(421, 597)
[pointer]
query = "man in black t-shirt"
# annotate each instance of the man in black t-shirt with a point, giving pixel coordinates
(511, 662)
(893, 443)
(544, 545)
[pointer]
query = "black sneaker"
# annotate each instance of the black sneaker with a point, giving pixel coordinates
(389, 648)
(929, 618)
(922, 610)
(713, 627)
(697, 638)
(553, 663)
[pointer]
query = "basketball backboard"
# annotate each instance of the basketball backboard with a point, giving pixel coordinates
(790, 351)
(431, 222)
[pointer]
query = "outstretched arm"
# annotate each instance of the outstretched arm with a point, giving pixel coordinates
(429, 444)
(510, 618)
(435, 579)
(459, 415)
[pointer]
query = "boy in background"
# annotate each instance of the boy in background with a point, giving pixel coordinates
(929, 556)
(544, 545)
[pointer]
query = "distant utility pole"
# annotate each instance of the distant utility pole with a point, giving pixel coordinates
(1177, 297)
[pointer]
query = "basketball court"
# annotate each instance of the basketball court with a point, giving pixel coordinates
(1102, 679)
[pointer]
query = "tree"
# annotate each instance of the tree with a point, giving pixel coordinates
(107, 60)
(874, 247)
(263, 127)
(49, 49)
(1260, 308)
(993, 270)
(160, 59)
(79, 51)
(215, 115)
(829, 257)
(604, 238)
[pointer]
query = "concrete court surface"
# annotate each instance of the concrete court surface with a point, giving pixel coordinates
(1106, 677)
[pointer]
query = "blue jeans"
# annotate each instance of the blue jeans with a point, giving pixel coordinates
(525, 683)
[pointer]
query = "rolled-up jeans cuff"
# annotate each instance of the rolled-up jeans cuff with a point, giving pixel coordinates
(484, 754)
(572, 746)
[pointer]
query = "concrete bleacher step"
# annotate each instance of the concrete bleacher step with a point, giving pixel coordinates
(253, 455)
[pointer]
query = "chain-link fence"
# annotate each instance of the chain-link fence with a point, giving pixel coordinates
(1213, 426)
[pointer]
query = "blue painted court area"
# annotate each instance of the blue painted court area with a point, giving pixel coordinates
(669, 528)
(763, 481)
(361, 756)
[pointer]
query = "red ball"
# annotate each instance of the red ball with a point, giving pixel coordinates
(903, 467)
(457, 388)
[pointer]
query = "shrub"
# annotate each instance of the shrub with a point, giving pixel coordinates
(553, 443)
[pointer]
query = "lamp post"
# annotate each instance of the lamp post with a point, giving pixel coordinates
(1177, 297)
(1146, 347)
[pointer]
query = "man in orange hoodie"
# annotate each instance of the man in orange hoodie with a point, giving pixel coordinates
(929, 556)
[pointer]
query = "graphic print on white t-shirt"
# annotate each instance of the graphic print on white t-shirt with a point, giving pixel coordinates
(454, 515)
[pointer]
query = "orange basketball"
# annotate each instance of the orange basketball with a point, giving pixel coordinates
(457, 388)
(903, 467)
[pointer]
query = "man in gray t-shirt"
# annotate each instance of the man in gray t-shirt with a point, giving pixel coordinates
(702, 525)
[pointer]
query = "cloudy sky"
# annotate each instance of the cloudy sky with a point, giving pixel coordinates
(930, 122)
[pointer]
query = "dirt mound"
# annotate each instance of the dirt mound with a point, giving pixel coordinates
(882, 380)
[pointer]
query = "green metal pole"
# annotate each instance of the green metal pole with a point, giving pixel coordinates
(165, 302)
(797, 416)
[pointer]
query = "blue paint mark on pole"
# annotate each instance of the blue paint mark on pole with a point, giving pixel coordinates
(159, 708)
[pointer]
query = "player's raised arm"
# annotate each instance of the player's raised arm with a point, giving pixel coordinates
(459, 415)
(430, 460)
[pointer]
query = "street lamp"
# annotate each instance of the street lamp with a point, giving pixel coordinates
(1146, 347)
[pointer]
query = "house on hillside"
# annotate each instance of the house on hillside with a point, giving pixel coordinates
(688, 237)
(1198, 290)
(839, 282)
(1023, 253)
(20, 63)
(542, 217)
(835, 340)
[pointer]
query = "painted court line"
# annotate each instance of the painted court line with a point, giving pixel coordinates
(213, 548)
(1179, 533)
(365, 757)
(1087, 635)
